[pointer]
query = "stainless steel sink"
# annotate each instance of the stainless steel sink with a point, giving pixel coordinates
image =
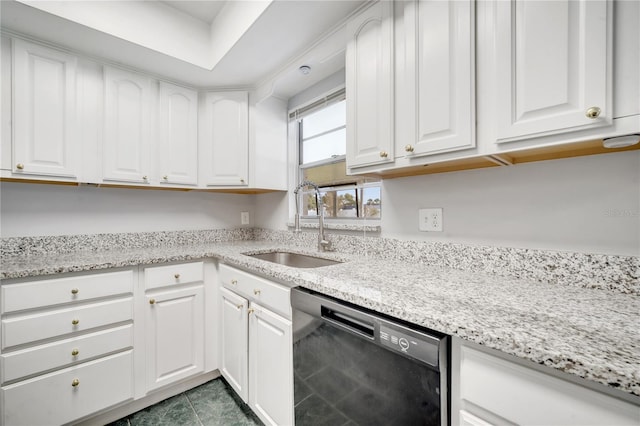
(294, 260)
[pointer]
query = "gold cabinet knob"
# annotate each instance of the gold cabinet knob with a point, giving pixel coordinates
(75, 383)
(240, 306)
(75, 352)
(152, 301)
(145, 178)
(256, 292)
(176, 276)
(241, 180)
(408, 148)
(165, 177)
(234, 282)
(593, 112)
(75, 321)
(74, 291)
(384, 154)
(20, 166)
(251, 310)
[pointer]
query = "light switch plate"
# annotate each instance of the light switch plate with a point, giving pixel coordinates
(430, 220)
(244, 218)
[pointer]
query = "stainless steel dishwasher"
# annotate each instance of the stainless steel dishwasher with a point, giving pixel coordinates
(355, 367)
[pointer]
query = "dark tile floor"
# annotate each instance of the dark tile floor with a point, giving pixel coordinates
(211, 404)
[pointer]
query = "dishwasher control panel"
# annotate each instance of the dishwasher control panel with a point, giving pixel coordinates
(409, 342)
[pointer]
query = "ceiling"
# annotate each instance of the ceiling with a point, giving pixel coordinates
(206, 44)
(205, 11)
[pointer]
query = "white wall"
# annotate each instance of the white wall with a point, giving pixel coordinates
(587, 204)
(272, 210)
(33, 209)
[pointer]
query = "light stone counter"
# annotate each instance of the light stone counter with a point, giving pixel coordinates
(591, 333)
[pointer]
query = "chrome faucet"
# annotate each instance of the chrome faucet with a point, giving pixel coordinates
(323, 243)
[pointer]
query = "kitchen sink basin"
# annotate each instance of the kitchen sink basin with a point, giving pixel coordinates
(294, 260)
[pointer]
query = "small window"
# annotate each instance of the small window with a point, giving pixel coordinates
(322, 135)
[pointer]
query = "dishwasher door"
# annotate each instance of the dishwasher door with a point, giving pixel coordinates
(354, 367)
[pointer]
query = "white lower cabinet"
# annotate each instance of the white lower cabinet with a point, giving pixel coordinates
(235, 342)
(174, 323)
(270, 367)
(82, 346)
(69, 394)
(67, 351)
(257, 352)
(488, 389)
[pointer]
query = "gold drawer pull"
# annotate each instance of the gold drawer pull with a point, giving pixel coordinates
(234, 282)
(240, 306)
(256, 292)
(152, 301)
(20, 166)
(75, 352)
(75, 383)
(251, 311)
(75, 321)
(408, 148)
(384, 154)
(74, 291)
(176, 276)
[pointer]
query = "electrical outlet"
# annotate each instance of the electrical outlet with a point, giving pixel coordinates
(430, 220)
(244, 218)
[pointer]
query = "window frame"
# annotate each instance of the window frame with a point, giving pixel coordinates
(296, 117)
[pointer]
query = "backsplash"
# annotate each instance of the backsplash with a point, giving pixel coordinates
(610, 272)
(17, 246)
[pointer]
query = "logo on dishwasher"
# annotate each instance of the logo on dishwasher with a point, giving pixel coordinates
(404, 344)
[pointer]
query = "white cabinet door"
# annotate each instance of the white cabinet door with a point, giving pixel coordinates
(235, 342)
(175, 335)
(44, 112)
(369, 85)
(552, 66)
(225, 139)
(440, 72)
(270, 366)
(126, 153)
(178, 135)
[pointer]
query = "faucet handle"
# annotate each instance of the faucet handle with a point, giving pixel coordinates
(326, 245)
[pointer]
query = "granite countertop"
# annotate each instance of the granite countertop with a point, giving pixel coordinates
(590, 333)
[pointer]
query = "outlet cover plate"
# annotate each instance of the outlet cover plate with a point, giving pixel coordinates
(430, 220)
(244, 218)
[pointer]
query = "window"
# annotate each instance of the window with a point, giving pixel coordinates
(322, 134)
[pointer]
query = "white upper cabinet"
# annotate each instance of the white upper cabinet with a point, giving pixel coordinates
(224, 144)
(44, 112)
(552, 67)
(178, 121)
(369, 84)
(439, 76)
(126, 153)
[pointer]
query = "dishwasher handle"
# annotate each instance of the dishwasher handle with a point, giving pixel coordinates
(348, 322)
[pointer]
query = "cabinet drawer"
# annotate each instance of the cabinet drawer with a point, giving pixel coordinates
(29, 328)
(160, 276)
(51, 399)
(515, 393)
(35, 294)
(61, 353)
(269, 294)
